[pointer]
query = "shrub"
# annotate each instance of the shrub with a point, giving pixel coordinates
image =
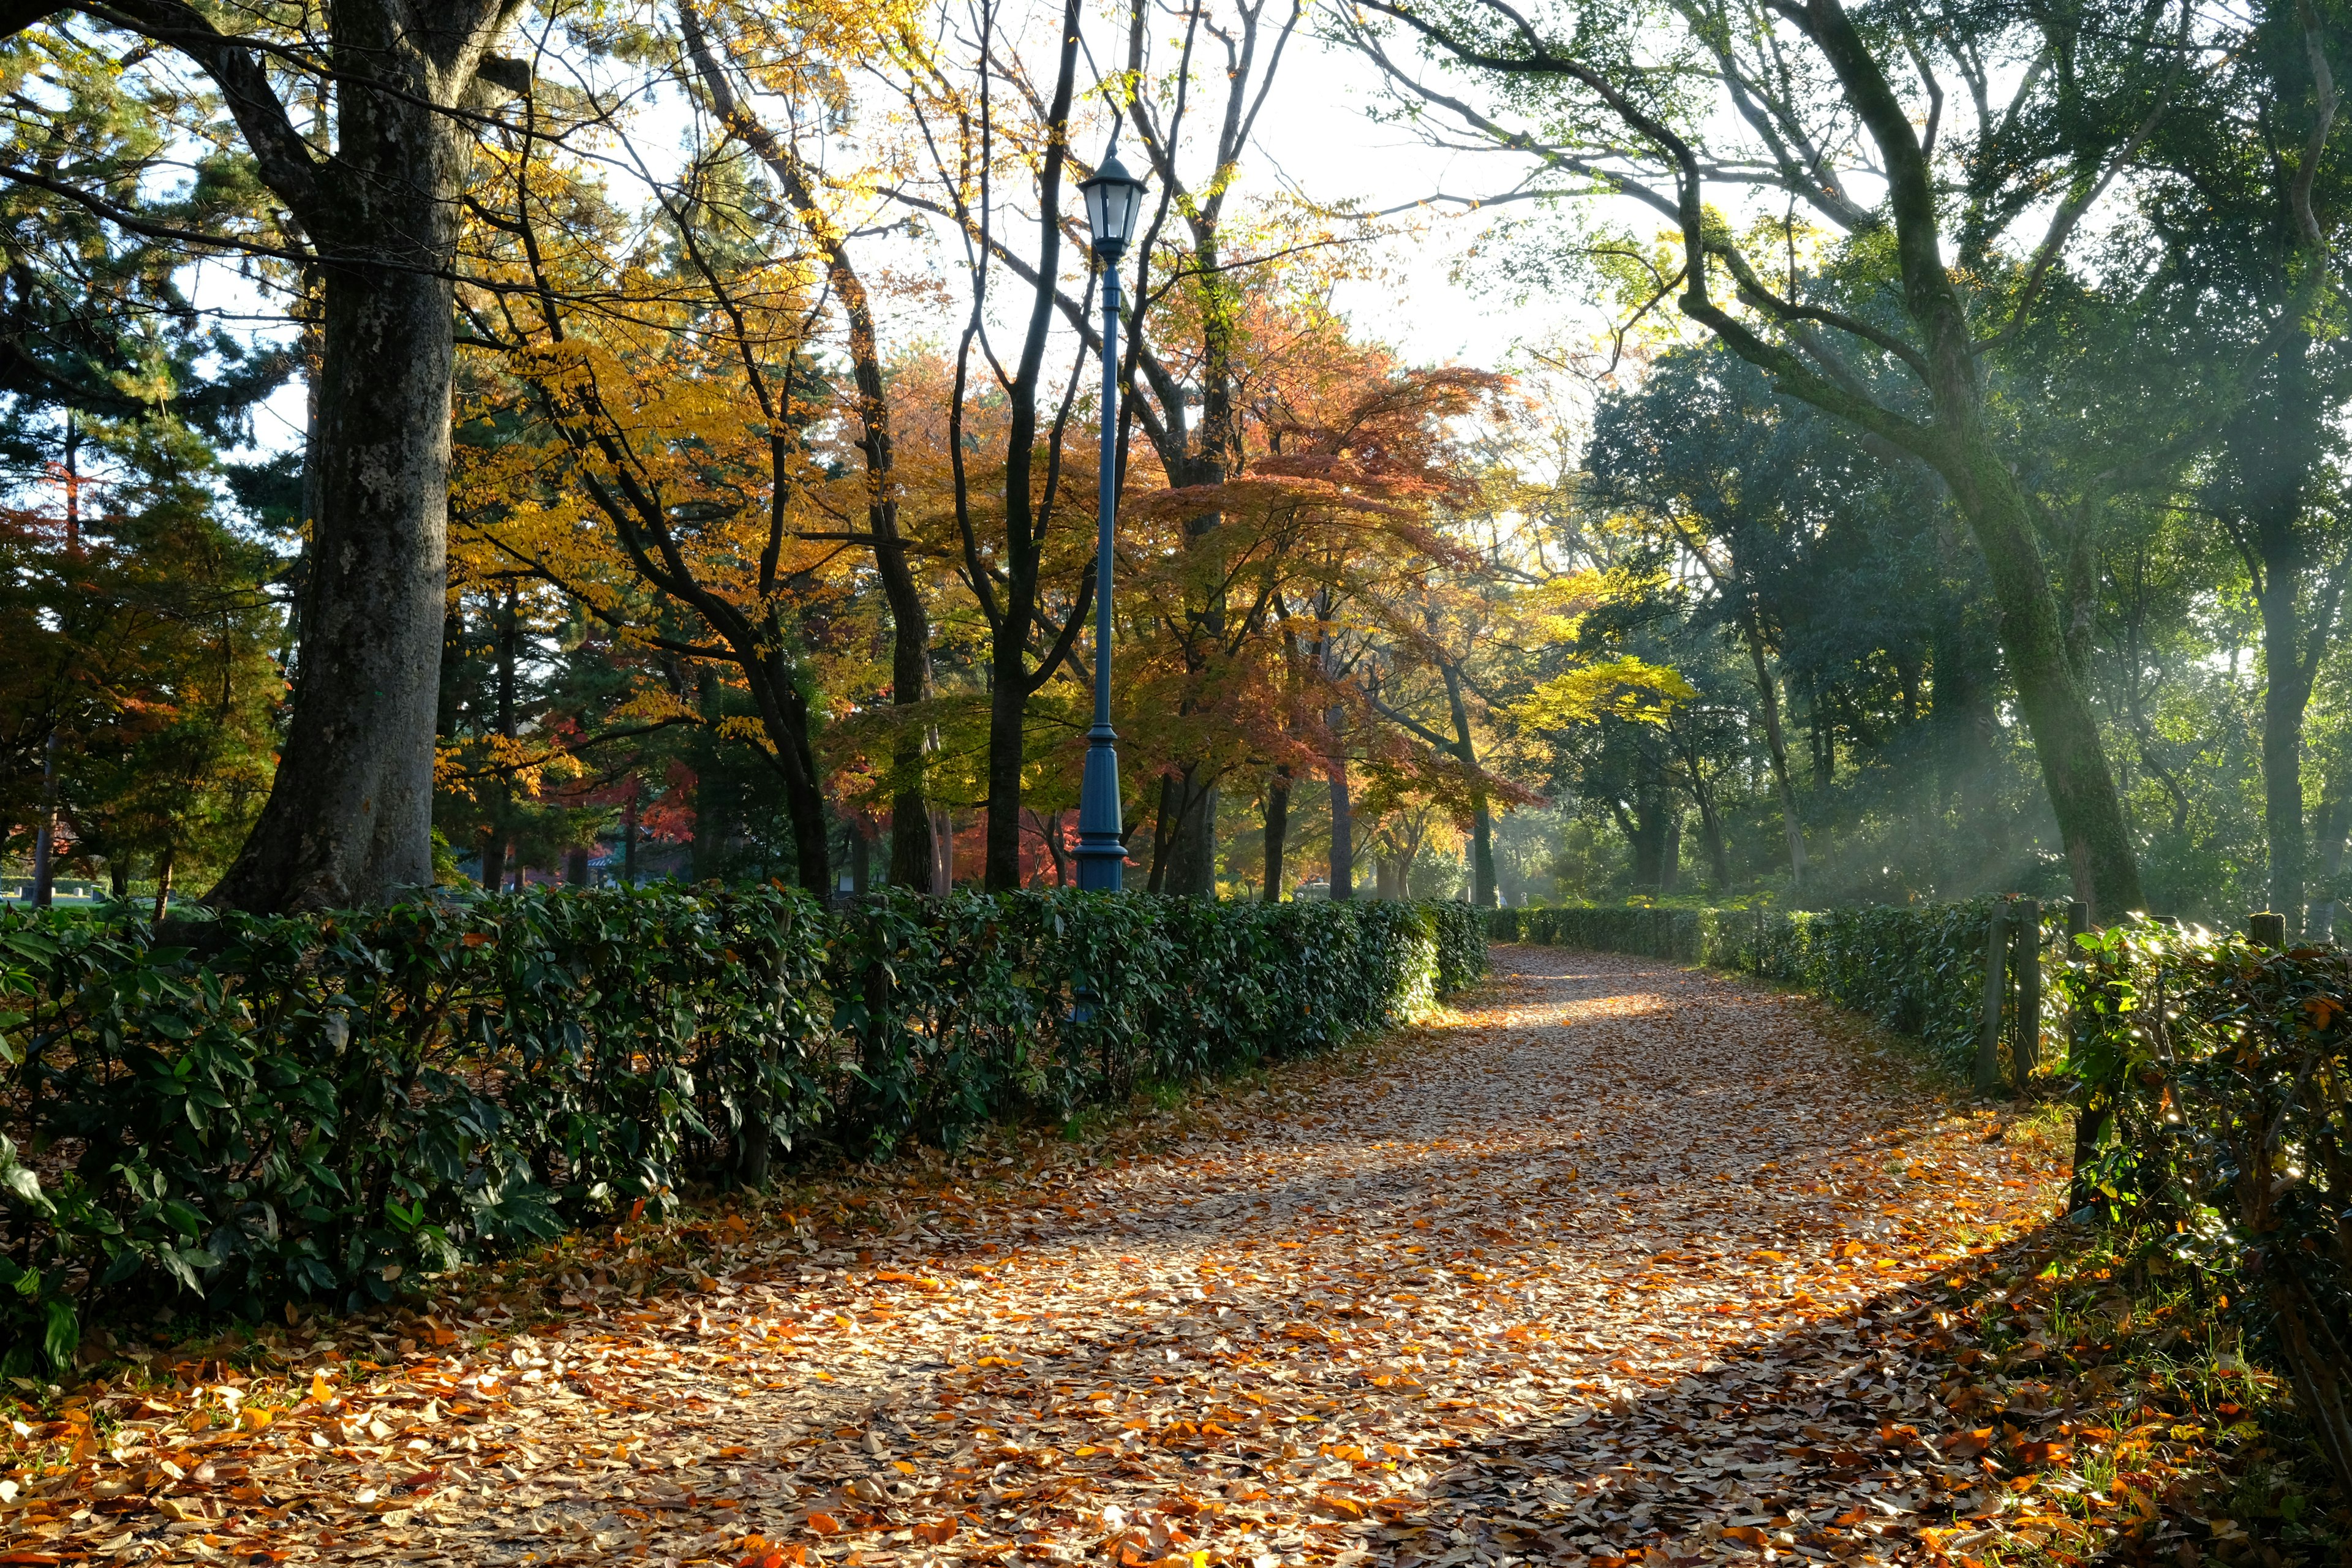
(1916, 969)
(326, 1108)
(2216, 1124)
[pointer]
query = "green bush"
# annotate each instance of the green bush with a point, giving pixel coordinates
(324, 1109)
(2216, 1125)
(1918, 969)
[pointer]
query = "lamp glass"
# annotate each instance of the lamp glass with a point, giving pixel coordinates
(1114, 198)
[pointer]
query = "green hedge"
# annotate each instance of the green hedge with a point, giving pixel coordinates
(2216, 1126)
(326, 1108)
(1916, 969)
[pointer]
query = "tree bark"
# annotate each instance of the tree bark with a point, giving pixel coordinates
(1277, 829)
(1343, 833)
(1192, 849)
(629, 834)
(350, 816)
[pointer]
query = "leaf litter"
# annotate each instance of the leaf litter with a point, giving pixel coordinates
(1621, 1262)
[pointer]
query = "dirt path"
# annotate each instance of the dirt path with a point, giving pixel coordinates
(1611, 1261)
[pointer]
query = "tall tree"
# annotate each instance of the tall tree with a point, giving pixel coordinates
(910, 628)
(372, 200)
(1903, 356)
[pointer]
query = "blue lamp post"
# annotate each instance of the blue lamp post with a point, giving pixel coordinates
(1114, 202)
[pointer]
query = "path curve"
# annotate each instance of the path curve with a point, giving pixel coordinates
(1612, 1259)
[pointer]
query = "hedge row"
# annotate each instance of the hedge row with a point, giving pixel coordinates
(326, 1108)
(1918, 969)
(2215, 1123)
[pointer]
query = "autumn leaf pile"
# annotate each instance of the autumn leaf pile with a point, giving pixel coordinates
(1620, 1263)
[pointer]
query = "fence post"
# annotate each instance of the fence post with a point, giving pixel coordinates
(2025, 962)
(1995, 984)
(2266, 930)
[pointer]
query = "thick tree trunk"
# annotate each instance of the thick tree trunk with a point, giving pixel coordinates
(1343, 813)
(1193, 853)
(1648, 831)
(1008, 712)
(785, 715)
(1278, 829)
(350, 816)
(2058, 715)
(1163, 838)
(1482, 817)
(1343, 833)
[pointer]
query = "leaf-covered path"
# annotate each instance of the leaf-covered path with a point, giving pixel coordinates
(1612, 1259)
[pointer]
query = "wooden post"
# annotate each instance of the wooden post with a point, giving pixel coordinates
(2025, 962)
(2266, 930)
(1996, 966)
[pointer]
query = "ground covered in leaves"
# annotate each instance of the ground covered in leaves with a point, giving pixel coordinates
(1620, 1262)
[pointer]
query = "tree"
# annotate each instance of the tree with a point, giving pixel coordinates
(784, 69)
(1896, 354)
(372, 205)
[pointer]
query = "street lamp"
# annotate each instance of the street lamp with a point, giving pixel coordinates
(1114, 202)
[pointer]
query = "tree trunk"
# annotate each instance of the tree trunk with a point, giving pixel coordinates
(2328, 834)
(1648, 830)
(629, 834)
(1277, 829)
(1192, 854)
(1482, 851)
(1343, 813)
(1163, 837)
(1767, 697)
(164, 884)
(2270, 450)
(1481, 817)
(2058, 715)
(575, 866)
(943, 850)
(1718, 853)
(1343, 834)
(350, 816)
(1008, 715)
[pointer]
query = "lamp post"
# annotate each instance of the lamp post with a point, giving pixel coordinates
(1114, 201)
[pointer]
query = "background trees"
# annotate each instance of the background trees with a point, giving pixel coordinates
(1879, 547)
